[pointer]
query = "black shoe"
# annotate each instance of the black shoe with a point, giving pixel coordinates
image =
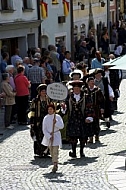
(12, 122)
(82, 155)
(22, 123)
(108, 124)
(110, 118)
(72, 154)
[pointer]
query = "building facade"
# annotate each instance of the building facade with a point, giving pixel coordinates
(55, 28)
(93, 14)
(18, 25)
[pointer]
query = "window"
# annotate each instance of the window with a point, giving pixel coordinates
(6, 4)
(27, 4)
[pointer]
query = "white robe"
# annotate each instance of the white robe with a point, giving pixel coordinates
(47, 127)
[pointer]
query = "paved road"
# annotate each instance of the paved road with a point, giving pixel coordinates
(102, 169)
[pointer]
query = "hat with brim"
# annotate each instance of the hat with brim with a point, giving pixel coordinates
(76, 83)
(76, 72)
(41, 87)
(98, 70)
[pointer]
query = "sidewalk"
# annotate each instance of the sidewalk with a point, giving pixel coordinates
(117, 171)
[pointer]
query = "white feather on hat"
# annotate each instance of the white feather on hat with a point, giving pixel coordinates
(76, 71)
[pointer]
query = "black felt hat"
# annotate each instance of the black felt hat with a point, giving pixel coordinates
(76, 83)
(41, 87)
(98, 70)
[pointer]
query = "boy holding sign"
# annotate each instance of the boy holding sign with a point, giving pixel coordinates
(52, 123)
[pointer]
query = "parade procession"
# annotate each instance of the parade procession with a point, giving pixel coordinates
(61, 110)
(63, 95)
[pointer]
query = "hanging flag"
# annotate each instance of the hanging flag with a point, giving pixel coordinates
(44, 9)
(66, 7)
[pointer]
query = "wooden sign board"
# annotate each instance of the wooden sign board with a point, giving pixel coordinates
(57, 91)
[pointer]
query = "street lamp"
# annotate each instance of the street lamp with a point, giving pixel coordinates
(102, 3)
(81, 5)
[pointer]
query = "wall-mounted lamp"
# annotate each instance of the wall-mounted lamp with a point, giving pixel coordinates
(81, 5)
(102, 3)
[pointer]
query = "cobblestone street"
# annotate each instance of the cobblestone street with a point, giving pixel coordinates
(102, 169)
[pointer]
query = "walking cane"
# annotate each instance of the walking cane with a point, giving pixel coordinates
(53, 125)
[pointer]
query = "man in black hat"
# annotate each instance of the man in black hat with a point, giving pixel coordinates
(94, 108)
(76, 124)
(103, 84)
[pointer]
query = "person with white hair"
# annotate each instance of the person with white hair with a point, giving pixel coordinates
(9, 100)
(10, 70)
(37, 55)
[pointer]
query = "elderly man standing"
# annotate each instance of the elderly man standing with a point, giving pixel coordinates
(36, 76)
(84, 52)
(26, 62)
(98, 61)
(56, 62)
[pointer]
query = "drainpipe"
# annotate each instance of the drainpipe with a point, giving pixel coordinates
(39, 28)
(108, 16)
(72, 29)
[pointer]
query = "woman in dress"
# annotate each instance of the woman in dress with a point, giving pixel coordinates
(38, 112)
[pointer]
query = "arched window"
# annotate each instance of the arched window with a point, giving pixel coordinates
(82, 29)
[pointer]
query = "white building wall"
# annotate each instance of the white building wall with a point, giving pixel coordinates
(52, 29)
(18, 14)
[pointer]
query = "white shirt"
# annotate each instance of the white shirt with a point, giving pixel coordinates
(77, 97)
(118, 50)
(107, 75)
(111, 93)
(47, 128)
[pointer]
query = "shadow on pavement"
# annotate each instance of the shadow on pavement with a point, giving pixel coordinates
(55, 177)
(80, 161)
(9, 132)
(107, 132)
(118, 112)
(41, 162)
(113, 122)
(121, 168)
(121, 153)
(95, 145)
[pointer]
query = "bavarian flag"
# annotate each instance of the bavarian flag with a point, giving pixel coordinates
(44, 9)
(66, 7)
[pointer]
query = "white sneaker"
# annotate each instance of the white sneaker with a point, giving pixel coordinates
(10, 127)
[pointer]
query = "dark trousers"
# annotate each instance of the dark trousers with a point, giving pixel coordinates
(7, 115)
(22, 106)
(57, 78)
(34, 92)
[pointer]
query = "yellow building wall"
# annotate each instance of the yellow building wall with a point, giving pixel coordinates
(122, 6)
(84, 13)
